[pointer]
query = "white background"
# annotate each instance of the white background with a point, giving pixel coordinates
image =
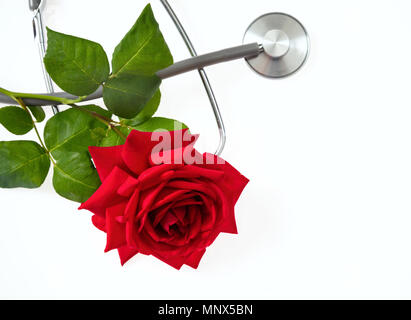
(327, 213)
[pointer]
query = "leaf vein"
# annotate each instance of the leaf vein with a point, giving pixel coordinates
(74, 179)
(22, 165)
(79, 66)
(137, 53)
(68, 139)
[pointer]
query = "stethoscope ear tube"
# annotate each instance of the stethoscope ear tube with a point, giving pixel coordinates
(195, 63)
(203, 76)
(198, 62)
(34, 4)
(38, 29)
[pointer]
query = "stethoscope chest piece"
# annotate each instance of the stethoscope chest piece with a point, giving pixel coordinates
(285, 43)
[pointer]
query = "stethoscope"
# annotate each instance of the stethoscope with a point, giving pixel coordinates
(275, 45)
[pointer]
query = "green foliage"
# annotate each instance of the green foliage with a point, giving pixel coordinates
(143, 50)
(159, 123)
(22, 164)
(76, 65)
(148, 111)
(38, 113)
(79, 67)
(126, 95)
(140, 54)
(98, 110)
(112, 138)
(16, 120)
(67, 136)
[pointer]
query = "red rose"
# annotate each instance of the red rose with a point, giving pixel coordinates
(170, 203)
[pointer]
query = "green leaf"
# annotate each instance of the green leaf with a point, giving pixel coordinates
(140, 54)
(76, 65)
(148, 111)
(126, 95)
(16, 120)
(68, 135)
(159, 123)
(38, 113)
(99, 134)
(113, 139)
(143, 50)
(75, 180)
(103, 112)
(22, 164)
(153, 124)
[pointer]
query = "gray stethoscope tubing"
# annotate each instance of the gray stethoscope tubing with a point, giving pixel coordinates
(280, 49)
(195, 63)
(203, 76)
(38, 29)
(199, 62)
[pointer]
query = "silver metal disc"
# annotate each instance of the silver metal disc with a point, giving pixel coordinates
(285, 42)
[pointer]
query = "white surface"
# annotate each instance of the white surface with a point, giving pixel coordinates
(327, 213)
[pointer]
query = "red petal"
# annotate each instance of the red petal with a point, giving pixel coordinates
(105, 159)
(194, 185)
(183, 155)
(229, 225)
(168, 220)
(233, 179)
(130, 212)
(154, 175)
(194, 214)
(139, 146)
(159, 213)
(99, 222)
(106, 196)
(170, 196)
(194, 171)
(172, 260)
(146, 205)
(126, 254)
(209, 215)
(194, 260)
(177, 261)
(116, 232)
(128, 187)
(226, 210)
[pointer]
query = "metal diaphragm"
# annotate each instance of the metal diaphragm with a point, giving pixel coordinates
(285, 42)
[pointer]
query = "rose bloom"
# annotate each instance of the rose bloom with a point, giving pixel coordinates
(163, 198)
